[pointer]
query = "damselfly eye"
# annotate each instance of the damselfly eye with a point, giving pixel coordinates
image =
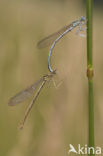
(83, 18)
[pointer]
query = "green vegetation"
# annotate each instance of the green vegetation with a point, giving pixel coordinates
(90, 71)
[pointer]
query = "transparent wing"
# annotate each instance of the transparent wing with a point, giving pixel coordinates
(25, 94)
(51, 38)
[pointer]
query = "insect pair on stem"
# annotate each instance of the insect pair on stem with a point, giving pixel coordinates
(50, 40)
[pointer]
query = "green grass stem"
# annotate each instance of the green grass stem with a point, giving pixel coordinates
(90, 72)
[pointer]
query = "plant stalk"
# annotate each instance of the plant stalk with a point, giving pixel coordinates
(89, 11)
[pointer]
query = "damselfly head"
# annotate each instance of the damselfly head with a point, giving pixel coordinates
(82, 19)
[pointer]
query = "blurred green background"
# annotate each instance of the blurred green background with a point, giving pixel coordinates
(60, 116)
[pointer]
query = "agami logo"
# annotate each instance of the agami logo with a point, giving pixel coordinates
(84, 150)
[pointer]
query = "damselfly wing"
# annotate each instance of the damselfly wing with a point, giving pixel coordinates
(25, 94)
(51, 38)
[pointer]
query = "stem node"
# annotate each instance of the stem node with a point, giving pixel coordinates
(90, 73)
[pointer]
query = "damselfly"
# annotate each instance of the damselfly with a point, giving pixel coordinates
(55, 37)
(28, 92)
